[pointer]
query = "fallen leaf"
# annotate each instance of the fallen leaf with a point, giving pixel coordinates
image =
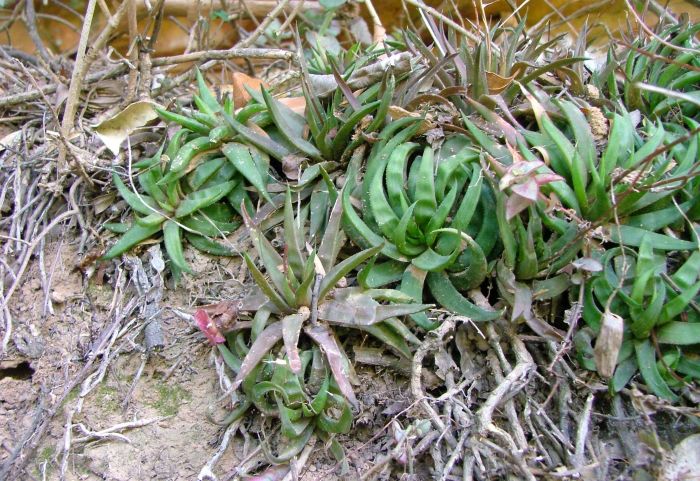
(397, 112)
(297, 104)
(10, 141)
(113, 131)
(239, 83)
(607, 346)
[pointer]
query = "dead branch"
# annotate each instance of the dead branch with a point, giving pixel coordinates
(209, 55)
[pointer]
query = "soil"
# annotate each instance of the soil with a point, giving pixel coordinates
(176, 393)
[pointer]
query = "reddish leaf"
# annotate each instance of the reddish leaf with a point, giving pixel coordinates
(515, 205)
(527, 189)
(291, 328)
(542, 179)
(323, 336)
(208, 327)
(265, 341)
(224, 314)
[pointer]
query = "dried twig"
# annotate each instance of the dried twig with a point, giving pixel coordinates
(431, 343)
(211, 55)
(582, 432)
(18, 275)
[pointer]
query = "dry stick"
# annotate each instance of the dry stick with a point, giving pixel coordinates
(582, 432)
(302, 459)
(651, 33)
(30, 17)
(32, 95)
(457, 453)
(258, 8)
(419, 4)
(85, 59)
(431, 343)
(518, 432)
(213, 55)
(13, 16)
(78, 73)
(133, 53)
(250, 39)
(382, 462)
(242, 44)
(111, 431)
(206, 471)
(18, 276)
(574, 315)
(378, 30)
(513, 382)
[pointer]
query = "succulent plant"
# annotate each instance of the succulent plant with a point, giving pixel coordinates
(195, 205)
(660, 313)
(660, 76)
(424, 220)
(304, 295)
(196, 189)
(305, 402)
(621, 195)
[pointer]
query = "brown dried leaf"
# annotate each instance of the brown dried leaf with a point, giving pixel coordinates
(296, 104)
(496, 83)
(238, 87)
(262, 345)
(397, 112)
(607, 346)
(323, 336)
(114, 130)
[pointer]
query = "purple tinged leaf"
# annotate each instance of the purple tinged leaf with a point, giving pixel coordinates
(517, 172)
(265, 341)
(515, 205)
(254, 301)
(397, 310)
(522, 309)
(208, 327)
(323, 336)
(347, 91)
(291, 328)
(528, 189)
(511, 135)
(329, 248)
(353, 308)
(543, 179)
(343, 312)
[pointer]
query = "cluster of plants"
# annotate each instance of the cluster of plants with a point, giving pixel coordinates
(505, 176)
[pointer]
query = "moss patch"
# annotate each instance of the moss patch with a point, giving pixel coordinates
(169, 399)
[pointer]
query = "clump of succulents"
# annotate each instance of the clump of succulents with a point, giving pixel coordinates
(301, 386)
(422, 215)
(464, 172)
(608, 203)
